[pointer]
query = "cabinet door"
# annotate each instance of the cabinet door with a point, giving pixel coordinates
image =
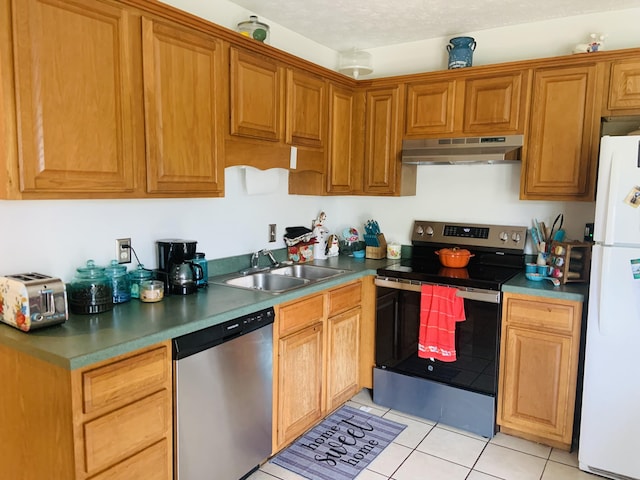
(382, 142)
(343, 168)
(255, 96)
(494, 105)
(343, 355)
(299, 382)
(624, 89)
(183, 77)
(79, 108)
(430, 108)
(536, 376)
(306, 109)
(561, 152)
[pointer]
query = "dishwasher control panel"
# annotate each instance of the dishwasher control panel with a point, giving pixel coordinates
(209, 337)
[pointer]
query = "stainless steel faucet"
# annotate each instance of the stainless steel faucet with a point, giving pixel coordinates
(267, 253)
(255, 258)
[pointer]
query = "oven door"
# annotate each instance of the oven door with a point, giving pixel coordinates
(477, 339)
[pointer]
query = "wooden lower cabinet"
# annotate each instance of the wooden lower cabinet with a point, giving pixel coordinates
(317, 358)
(538, 368)
(299, 382)
(107, 421)
(343, 356)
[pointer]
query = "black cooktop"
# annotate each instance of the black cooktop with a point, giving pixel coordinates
(486, 269)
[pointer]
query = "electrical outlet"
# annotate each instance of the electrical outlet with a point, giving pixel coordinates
(123, 250)
(272, 232)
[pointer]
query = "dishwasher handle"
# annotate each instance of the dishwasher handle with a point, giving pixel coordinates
(210, 337)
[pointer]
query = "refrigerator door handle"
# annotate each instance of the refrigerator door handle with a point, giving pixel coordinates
(602, 295)
(609, 219)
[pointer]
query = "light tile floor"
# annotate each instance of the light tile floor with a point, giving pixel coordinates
(425, 450)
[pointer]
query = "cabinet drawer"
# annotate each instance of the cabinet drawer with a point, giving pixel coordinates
(126, 380)
(343, 298)
(294, 316)
(123, 432)
(539, 312)
(152, 462)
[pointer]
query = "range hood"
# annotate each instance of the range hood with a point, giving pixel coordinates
(437, 151)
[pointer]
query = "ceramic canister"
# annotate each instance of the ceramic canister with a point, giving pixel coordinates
(461, 52)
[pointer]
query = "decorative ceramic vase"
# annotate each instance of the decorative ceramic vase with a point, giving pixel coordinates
(461, 52)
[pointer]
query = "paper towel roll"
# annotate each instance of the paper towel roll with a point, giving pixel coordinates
(260, 182)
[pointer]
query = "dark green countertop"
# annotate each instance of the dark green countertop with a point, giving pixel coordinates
(569, 291)
(86, 339)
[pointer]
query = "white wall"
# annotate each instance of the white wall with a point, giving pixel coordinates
(521, 42)
(55, 237)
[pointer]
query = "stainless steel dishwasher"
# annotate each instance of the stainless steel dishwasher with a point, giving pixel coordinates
(223, 398)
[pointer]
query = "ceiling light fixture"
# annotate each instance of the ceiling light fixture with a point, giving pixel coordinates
(355, 63)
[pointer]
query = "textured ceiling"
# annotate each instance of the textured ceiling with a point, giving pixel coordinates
(344, 24)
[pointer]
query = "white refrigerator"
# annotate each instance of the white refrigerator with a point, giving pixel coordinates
(610, 425)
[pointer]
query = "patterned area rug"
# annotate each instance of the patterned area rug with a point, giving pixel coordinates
(340, 446)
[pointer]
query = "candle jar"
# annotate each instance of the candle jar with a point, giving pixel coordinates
(151, 291)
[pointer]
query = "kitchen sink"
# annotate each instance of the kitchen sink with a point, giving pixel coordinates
(280, 279)
(267, 282)
(310, 272)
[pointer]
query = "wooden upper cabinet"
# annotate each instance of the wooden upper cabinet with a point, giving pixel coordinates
(562, 145)
(382, 140)
(344, 170)
(306, 109)
(183, 84)
(495, 104)
(430, 108)
(624, 87)
(255, 96)
(78, 104)
(475, 105)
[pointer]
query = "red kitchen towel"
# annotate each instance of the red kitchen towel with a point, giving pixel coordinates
(440, 309)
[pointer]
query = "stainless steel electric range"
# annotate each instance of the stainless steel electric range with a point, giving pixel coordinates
(460, 393)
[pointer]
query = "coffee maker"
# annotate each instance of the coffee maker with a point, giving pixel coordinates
(175, 266)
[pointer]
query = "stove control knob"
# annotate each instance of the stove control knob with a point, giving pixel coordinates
(430, 231)
(504, 236)
(419, 230)
(515, 236)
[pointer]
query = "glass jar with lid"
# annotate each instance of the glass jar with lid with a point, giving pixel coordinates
(136, 277)
(254, 29)
(120, 283)
(90, 291)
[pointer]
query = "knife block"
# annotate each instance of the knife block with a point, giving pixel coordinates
(571, 261)
(377, 252)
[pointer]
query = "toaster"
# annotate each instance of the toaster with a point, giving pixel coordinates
(31, 300)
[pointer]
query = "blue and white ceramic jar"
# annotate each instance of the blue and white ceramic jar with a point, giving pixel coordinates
(461, 52)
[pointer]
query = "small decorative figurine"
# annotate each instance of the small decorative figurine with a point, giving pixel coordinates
(333, 248)
(594, 44)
